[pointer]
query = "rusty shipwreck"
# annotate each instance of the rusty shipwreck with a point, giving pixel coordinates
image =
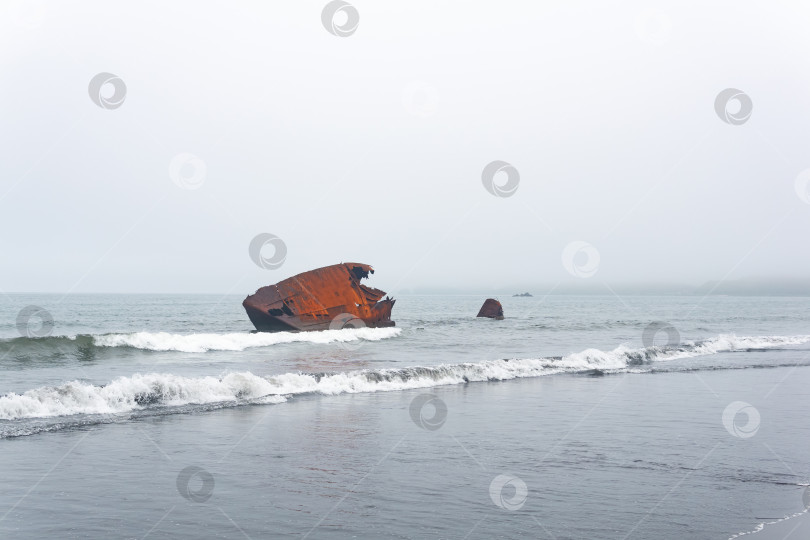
(320, 299)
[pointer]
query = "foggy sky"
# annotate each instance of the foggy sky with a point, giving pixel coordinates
(371, 147)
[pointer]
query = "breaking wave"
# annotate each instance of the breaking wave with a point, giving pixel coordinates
(142, 391)
(194, 343)
(162, 341)
(126, 394)
(721, 343)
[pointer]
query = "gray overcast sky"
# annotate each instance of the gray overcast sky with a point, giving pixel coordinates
(371, 147)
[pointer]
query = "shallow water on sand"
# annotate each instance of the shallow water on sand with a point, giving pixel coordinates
(557, 422)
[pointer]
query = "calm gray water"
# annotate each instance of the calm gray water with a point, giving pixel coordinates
(163, 417)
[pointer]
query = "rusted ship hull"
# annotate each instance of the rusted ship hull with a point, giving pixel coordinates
(326, 298)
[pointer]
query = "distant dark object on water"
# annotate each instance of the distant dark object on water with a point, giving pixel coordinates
(492, 309)
(331, 297)
(526, 295)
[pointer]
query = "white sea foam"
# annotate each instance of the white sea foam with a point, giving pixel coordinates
(624, 356)
(163, 341)
(761, 526)
(131, 393)
(142, 390)
(728, 343)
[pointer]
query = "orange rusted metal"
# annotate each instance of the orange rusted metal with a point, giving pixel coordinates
(312, 300)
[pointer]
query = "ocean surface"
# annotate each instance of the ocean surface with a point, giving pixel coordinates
(161, 416)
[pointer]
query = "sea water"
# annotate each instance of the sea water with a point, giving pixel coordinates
(163, 416)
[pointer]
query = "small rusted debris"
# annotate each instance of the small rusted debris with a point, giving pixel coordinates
(314, 300)
(492, 309)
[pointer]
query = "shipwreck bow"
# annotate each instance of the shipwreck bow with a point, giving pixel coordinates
(329, 297)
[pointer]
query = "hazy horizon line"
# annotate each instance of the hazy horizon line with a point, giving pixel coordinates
(742, 287)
